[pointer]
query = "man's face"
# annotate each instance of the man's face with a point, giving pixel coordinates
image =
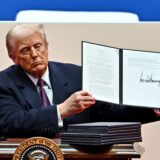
(31, 54)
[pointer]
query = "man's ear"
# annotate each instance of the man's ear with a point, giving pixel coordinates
(15, 60)
(13, 57)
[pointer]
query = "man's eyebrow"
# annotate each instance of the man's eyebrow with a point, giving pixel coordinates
(37, 43)
(25, 46)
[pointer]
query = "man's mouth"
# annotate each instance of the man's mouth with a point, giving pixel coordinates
(36, 63)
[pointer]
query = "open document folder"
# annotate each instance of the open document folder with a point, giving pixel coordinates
(121, 76)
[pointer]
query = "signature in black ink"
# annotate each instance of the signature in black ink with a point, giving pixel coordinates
(148, 79)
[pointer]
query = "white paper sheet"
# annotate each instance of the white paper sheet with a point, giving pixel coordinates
(101, 72)
(141, 78)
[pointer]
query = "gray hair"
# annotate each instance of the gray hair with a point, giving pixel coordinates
(20, 31)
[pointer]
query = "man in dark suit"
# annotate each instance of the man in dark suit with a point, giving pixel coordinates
(21, 111)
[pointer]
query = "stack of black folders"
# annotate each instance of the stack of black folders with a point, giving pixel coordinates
(102, 133)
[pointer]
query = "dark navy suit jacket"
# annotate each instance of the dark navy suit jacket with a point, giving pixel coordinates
(21, 114)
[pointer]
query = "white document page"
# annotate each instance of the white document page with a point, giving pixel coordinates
(141, 78)
(101, 72)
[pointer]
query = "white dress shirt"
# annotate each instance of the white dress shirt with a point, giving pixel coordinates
(48, 90)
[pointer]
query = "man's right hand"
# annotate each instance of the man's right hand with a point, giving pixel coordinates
(76, 103)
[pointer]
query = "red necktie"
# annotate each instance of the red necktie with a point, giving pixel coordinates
(44, 99)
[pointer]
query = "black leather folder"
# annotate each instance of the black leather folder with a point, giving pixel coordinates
(102, 133)
(105, 127)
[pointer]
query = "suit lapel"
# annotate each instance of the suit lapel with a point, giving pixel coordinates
(59, 84)
(32, 97)
(26, 87)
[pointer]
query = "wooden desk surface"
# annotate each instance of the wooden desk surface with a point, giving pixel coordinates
(119, 151)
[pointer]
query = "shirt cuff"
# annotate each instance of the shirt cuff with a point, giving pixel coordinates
(60, 121)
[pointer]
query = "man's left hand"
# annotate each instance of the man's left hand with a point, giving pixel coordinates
(157, 111)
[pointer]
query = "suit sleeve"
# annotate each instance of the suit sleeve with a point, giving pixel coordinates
(111, 112)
